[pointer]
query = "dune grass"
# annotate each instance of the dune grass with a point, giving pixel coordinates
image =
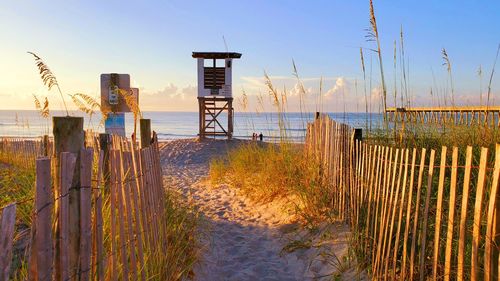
(182, 242)
(266, 172)
(17, 185)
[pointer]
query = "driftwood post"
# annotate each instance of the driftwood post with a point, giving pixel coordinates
(69, 137)
(145, 125)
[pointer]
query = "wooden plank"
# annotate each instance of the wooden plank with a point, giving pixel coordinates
(417, 207)
(373, 235)
(388, 206)
(7, 227)
(451, 214)
(43, 207)
(408, 213)
(67, 164)
(380, 207)
(131, 230)
(400, 216)
(382, 160)
(121, 217)
(463, 214)
(439, 207)
(373, 161)
(475, 267)
(98, 260)
(425, 215)
(86, 166)
(393, 206)
(139, 221)
(490, 225)
(114, 236)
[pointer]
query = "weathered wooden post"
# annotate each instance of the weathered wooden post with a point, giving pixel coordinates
(105, 143)
(69, 137)
(45, 145)
(145, 126)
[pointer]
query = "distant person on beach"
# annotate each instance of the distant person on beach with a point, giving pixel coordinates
(261, 137)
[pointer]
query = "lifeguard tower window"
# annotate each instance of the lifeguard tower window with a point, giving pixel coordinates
(215, 77)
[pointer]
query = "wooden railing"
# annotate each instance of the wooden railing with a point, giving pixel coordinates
(457, 115)
(415, 213)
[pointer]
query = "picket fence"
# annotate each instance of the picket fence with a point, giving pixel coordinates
(415, 214)
(105, 227)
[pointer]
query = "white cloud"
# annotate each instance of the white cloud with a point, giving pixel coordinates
(340, 85)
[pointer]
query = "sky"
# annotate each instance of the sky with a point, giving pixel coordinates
(153, 40)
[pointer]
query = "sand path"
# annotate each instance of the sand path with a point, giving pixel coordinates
(245, 240)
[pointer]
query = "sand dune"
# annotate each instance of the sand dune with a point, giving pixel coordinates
(245, 240)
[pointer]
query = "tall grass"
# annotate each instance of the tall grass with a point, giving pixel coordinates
(182, 241)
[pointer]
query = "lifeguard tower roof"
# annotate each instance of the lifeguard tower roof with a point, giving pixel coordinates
(216, 55)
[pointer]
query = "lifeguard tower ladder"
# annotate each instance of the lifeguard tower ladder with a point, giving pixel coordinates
(215, 93)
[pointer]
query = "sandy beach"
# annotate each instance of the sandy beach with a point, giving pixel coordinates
(244, 240)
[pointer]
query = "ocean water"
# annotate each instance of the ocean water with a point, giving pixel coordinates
(177, 125)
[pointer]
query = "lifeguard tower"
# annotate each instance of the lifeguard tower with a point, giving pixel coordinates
(215, 94)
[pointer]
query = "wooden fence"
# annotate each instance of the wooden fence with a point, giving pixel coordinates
(105, 227)
(23, 152)
(415, 213)
(329, 143)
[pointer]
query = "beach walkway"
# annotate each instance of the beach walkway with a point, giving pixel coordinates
(242, 240)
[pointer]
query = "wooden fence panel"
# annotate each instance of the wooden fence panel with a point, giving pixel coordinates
(369, 183)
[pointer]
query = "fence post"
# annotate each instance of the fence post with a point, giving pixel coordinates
(145, 125)
(69, 137)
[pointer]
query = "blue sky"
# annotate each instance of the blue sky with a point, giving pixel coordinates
(153, 41)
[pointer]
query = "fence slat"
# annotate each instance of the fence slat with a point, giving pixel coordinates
(477, 214)
(86, 166)
(67, 164)
(490, 235)
(451, 214)
(437, 225)
(408, 213)
(425, 215)
(98, 260)
(121, 217)
(463, 214)
(43, 203)
(6, 235)
(416, 218)
(400, 216)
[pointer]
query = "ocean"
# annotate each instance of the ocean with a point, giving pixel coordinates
(177, 125)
